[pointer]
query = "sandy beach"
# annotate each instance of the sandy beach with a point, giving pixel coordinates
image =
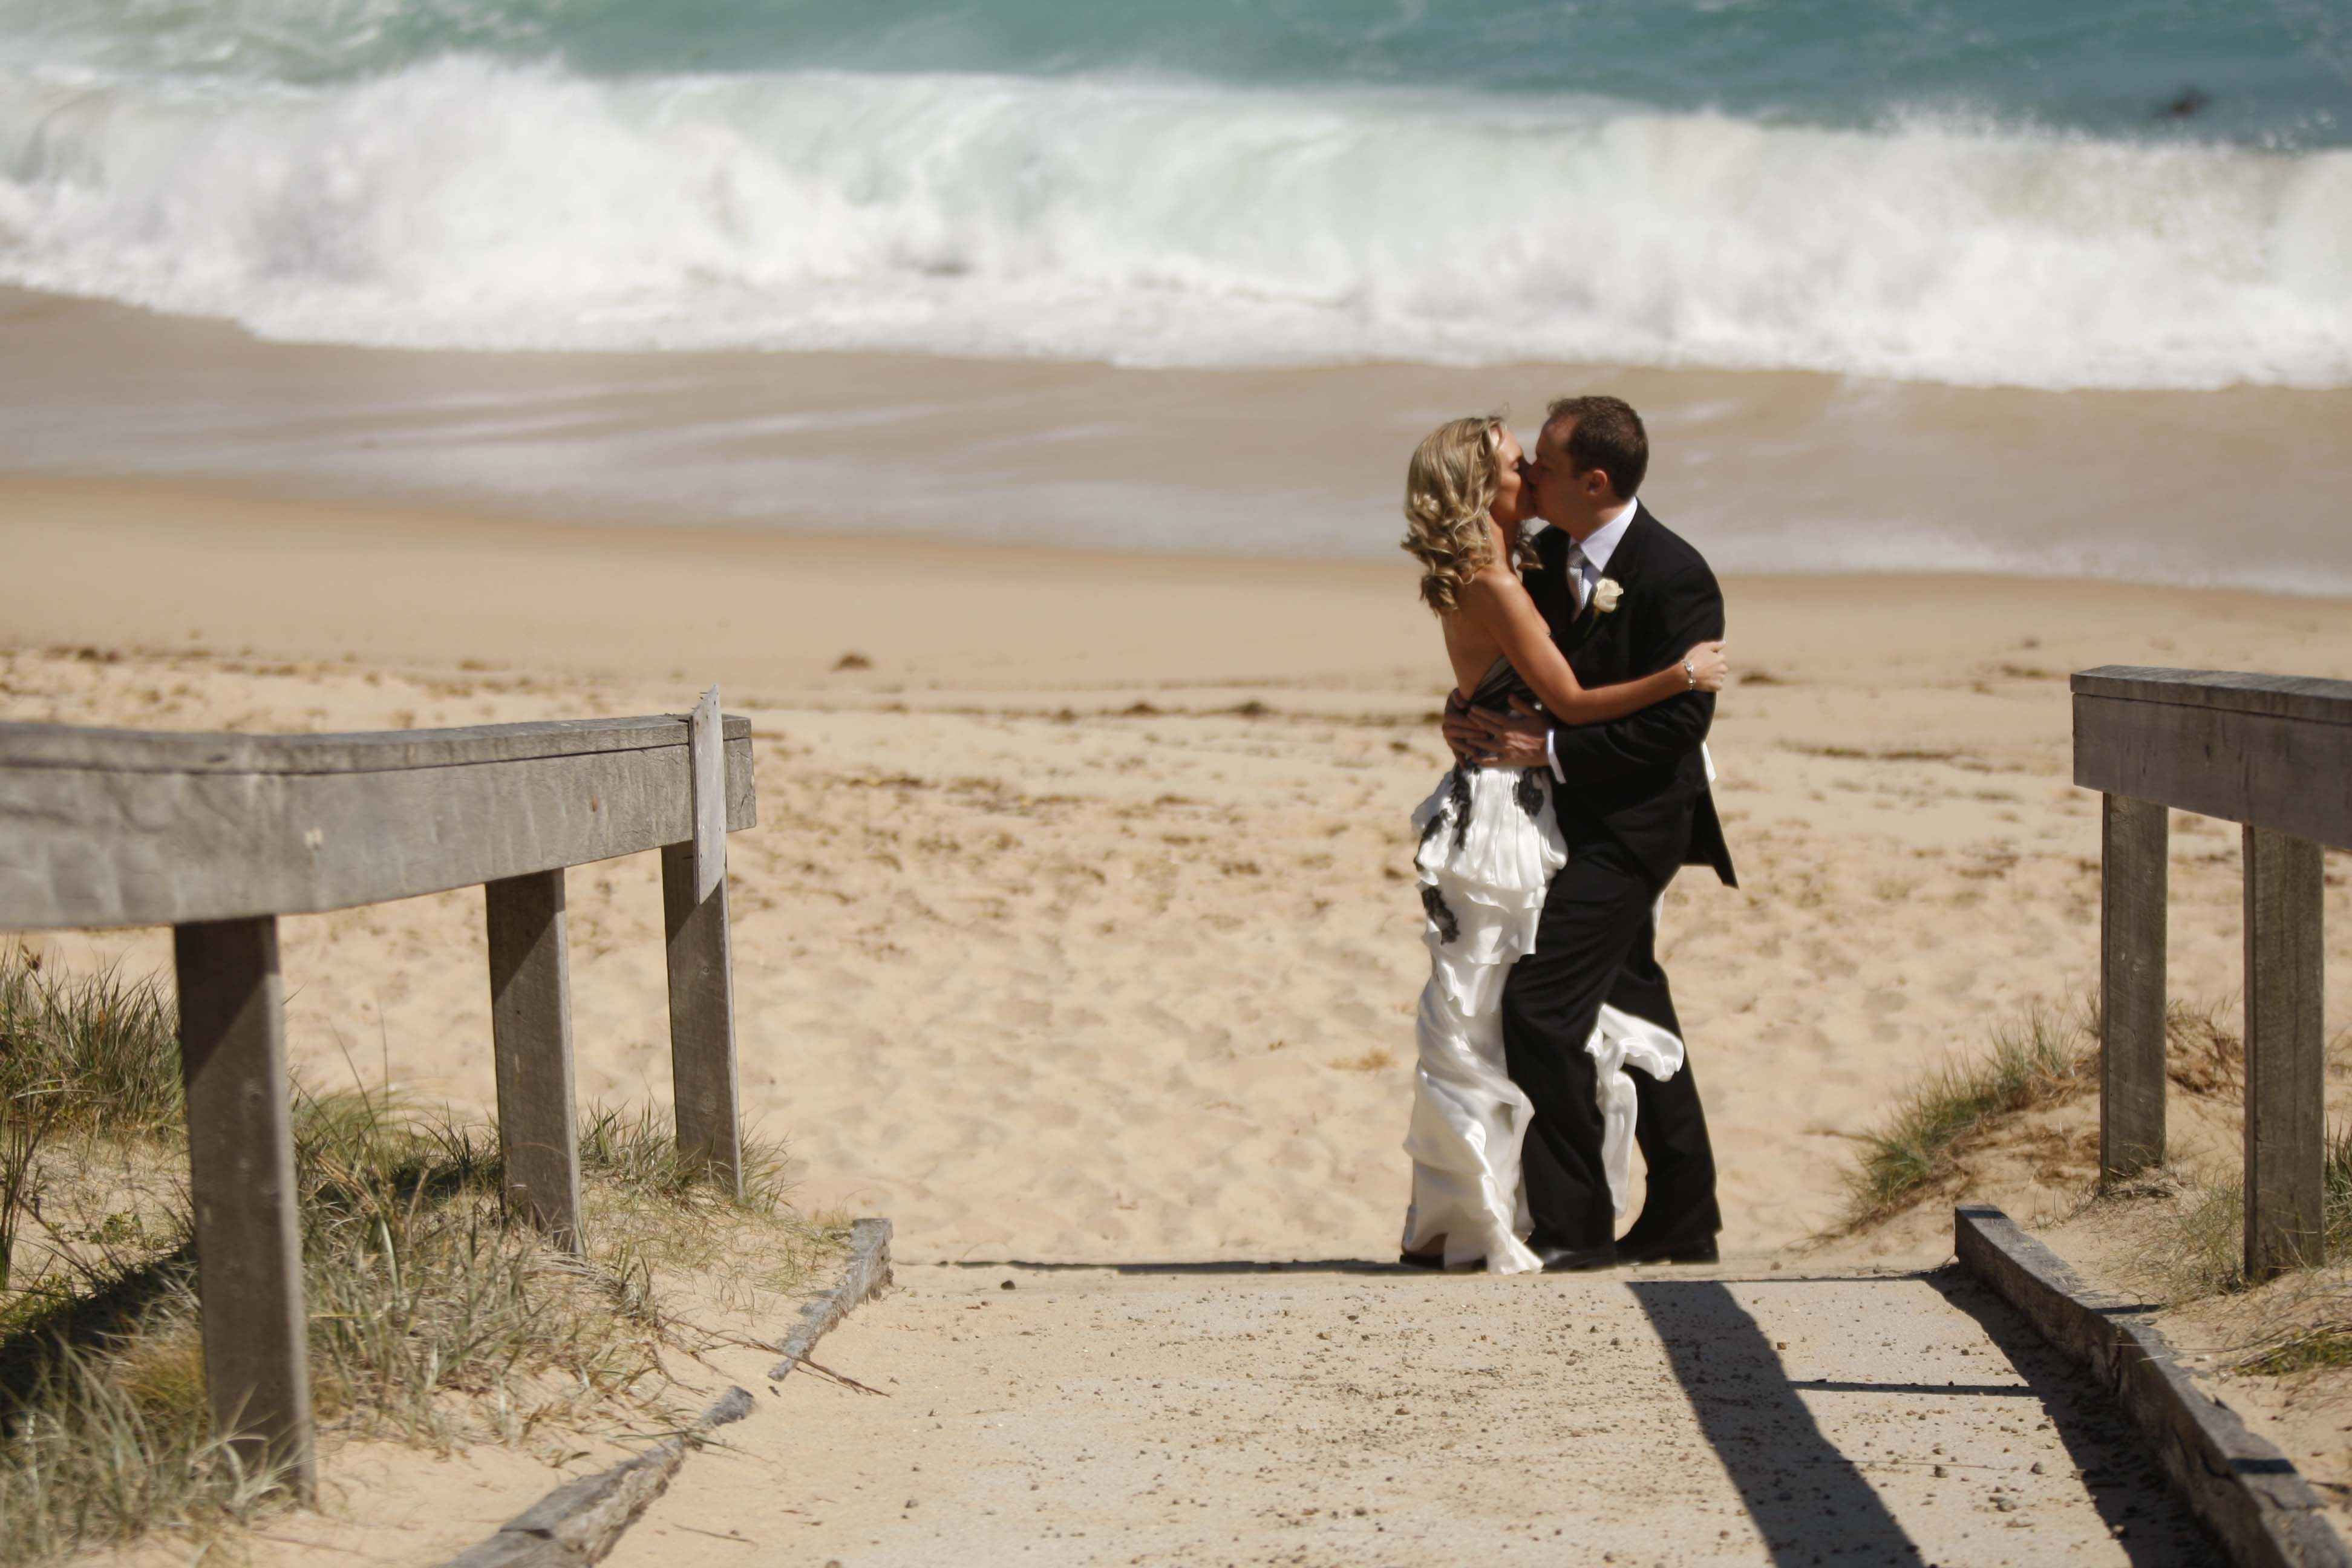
(1007, 407)
(1075, 925)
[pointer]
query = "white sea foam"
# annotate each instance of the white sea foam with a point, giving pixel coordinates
(471, 205)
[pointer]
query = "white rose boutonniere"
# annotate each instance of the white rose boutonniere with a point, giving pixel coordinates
(1605, 594)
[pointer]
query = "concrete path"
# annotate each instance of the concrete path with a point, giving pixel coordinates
(1349, 1413)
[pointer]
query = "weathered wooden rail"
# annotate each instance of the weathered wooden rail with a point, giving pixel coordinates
(2274, 753)
(218, 836)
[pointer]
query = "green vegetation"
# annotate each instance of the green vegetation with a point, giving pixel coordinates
(2196, 1246)
(96, 1051)
(2306, 1349)
(435, 1317)
(2045, 1058)
(2192, 1246)
(77, 1056)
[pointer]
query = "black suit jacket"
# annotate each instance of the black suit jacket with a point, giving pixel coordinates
(1639, 780)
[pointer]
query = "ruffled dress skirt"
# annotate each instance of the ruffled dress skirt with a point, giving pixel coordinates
(1490, 844)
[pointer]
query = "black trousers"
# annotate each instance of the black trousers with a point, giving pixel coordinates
(1597, 942)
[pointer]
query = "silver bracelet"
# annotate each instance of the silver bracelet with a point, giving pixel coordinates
(1690, 675)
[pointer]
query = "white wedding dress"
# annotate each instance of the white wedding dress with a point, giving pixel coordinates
(1490, 844)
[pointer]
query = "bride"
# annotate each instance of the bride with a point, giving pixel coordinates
(1490, 846)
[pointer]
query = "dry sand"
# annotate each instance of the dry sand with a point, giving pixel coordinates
(1076, 926)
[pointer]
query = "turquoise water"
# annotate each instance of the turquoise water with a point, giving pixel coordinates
(2115, 192)
(2271, 72)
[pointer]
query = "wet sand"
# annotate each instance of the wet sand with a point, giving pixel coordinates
(1772, 472)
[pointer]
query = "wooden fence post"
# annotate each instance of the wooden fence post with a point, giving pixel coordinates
(241, 1185)
(2135, 839)
(2286, 1059)
(703, 1073)
(530, 1034)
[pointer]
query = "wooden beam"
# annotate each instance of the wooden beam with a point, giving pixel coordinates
(530, 1031)
(709, 760)
(703, 1072)
(2286, 1055)
(2265, 750)
(130, 830)
(241, 1185)
(2134, 837)
(75, 746)
(2311, 697)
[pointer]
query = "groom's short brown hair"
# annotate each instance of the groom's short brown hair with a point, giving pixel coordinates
(1608, 437)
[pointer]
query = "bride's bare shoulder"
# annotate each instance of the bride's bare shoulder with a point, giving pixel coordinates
(1491, 586)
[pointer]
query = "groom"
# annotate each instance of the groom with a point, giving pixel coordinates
(1624, 598)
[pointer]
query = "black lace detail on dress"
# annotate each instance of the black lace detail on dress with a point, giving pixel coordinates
(1530, 793)
(1458, 791)
(1436, 822)
(1433, 905)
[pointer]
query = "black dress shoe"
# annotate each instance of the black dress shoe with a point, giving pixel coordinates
(1574, 1259)
(1701, 1251)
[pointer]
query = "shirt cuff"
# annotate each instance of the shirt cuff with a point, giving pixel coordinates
(1551, 755)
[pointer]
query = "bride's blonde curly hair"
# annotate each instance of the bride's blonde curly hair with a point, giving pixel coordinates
(1448, 489)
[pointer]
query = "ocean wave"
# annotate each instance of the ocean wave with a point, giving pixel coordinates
(471, 204)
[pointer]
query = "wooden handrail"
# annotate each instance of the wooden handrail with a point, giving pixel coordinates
(2275, 754)
(115, 827)
(218, 836)
(2272, 751)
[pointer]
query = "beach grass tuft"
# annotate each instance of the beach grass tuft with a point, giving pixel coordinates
(638, 1149)
(2202, 1054)
(2195, 1248)
(436, 1317)
(2044, 1056)
(100, 1052)
(81, 1055)
(2306, 1350)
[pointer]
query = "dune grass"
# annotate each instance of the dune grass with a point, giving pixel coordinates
(2042, 1057)
(2308, 1350)
(435, 1317)
(77, 1054)
(98, 1051)
(2196, 1246)
(2188, 1244)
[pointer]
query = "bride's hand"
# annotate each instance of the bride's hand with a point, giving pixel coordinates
(1709, 669)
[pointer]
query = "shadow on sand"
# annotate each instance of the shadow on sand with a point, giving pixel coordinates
(2102, 1444)
(1812, 1503)
(1809, 1502)
(1181, 1269)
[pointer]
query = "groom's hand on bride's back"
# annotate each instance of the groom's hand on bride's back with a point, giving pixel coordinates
(1515, 740)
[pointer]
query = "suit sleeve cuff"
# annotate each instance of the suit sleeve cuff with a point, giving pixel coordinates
(1552, 753)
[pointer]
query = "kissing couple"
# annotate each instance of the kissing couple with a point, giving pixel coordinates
(1586, 657)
